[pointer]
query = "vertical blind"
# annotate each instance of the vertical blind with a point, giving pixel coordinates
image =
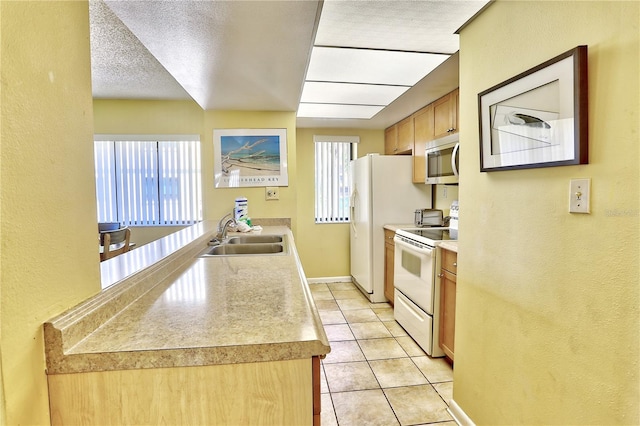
(332, 179)
(145, 183)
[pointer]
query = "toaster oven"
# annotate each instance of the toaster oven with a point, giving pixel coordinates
(428, 217)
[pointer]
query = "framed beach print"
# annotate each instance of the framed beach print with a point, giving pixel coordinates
(537, 118)
(250, 157)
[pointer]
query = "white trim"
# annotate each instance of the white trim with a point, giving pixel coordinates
(323, 280)
(328, 138)
(459, 415)
(170, 138)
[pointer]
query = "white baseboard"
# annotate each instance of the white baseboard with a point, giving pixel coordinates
(323, 280)
(459, 415)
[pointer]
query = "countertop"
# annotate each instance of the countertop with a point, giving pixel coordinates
(394, 227)
(450, 245)
(188, 310)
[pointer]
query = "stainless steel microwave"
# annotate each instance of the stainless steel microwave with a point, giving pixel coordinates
(442, 160)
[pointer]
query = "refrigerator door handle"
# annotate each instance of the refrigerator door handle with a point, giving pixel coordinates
(352, 219)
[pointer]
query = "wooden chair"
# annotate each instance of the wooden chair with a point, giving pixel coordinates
(108, 226)
(114, 242)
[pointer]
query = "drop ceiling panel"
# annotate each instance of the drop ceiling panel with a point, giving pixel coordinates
(346, 93)
(338, 111)
(370, 66)
(228, 55)
(420, 26)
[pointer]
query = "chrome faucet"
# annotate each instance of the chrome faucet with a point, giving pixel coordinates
(223, 227)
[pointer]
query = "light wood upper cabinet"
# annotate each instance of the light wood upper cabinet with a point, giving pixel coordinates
(423, 133)
(391, 140)
(398, 139)
(445, 111)
(411, 135)
(405, 136)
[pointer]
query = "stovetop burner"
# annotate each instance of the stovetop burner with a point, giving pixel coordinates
(428, 235)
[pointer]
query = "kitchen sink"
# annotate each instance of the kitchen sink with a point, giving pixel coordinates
(255, 239)
(247, 245)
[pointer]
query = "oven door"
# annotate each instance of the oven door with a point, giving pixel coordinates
(413, 273)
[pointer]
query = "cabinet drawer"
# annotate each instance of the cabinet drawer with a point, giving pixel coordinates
(450, 261)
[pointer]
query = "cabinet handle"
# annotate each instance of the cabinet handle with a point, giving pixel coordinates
(440, 275)
(455, 263)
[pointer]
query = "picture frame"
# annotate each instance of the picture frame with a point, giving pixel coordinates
(538, 118)
(250, 157)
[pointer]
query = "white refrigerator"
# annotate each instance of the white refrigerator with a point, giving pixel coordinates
(381, 193)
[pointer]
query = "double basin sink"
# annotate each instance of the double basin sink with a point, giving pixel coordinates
(246, 245)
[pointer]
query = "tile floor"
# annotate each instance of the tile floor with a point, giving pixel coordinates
(375, 373)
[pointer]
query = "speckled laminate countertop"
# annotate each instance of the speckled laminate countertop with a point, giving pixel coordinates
(394, 226)
(187, 310)
(449, 245)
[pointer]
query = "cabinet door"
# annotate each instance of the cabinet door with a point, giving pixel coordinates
(390, 140)
(447, 312)
(389, 254)
(455, 109)
(443, 111)
(422, 133)
(405, 136)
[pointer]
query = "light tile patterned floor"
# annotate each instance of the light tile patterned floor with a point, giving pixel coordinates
(375, 373)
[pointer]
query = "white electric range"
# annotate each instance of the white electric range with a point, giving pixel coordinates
(417, 293)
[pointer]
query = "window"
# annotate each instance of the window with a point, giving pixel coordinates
(333, 177)
(148, 182)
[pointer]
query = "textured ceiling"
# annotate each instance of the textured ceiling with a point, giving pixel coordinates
(253, 55)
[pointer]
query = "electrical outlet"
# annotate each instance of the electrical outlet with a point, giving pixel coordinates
(579, 195)
(271, 193)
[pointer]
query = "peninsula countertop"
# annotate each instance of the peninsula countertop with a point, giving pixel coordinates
(199, 311)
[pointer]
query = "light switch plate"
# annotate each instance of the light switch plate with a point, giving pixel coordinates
(579, 195)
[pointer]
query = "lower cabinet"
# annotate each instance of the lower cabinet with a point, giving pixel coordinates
(272, 392)
(447, 276)
(389, 254)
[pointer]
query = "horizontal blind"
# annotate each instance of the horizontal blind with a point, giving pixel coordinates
(332, 180)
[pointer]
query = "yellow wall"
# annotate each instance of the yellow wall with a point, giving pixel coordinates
(547, 320)
(324, 249)
(219, 201)
(48, 246)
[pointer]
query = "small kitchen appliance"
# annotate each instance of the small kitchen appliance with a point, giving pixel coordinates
(428, 217)
(454, 213)
(417, 294)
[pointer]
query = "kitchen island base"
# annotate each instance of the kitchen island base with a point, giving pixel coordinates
(265, 393)
(189, 339)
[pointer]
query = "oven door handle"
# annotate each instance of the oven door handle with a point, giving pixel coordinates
(429, 251)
